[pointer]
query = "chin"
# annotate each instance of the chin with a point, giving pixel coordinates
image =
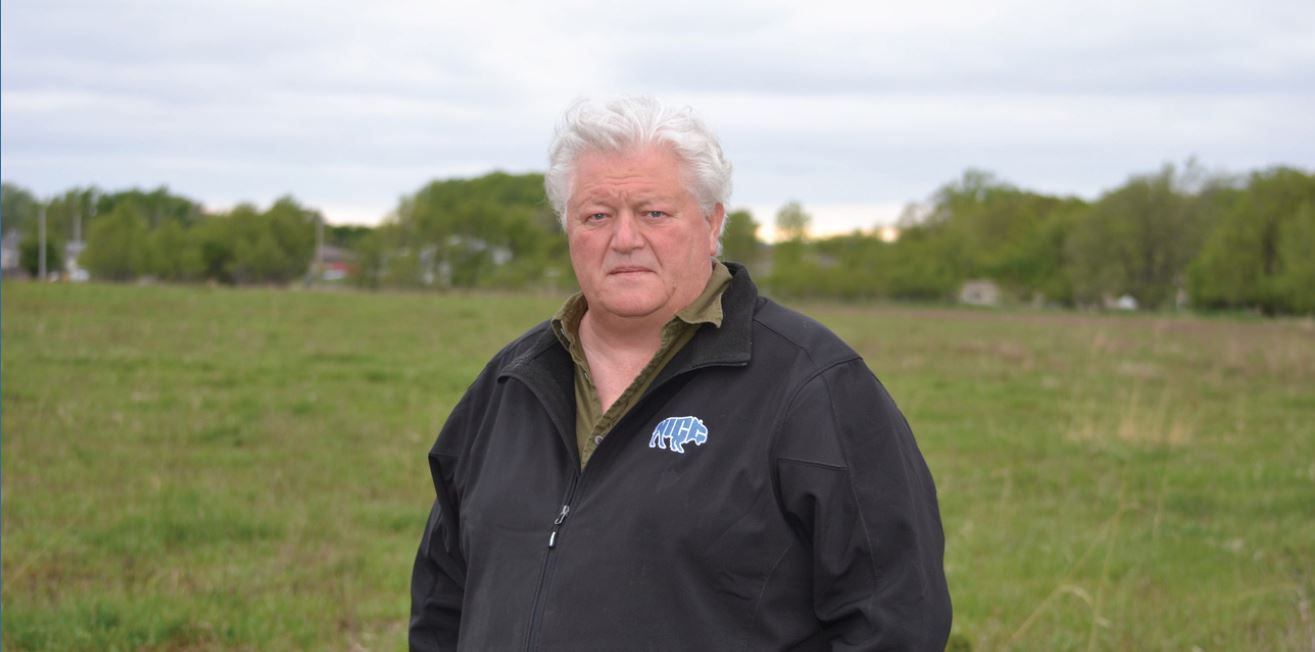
(627, 304)
(631, 308)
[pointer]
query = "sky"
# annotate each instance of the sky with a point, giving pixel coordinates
(852, 108)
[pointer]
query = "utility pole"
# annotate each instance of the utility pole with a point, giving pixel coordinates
(91, 212)
(41, 245)
(319, 248)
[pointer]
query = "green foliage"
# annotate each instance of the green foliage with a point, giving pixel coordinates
(18, 208)
(975, 227)
(1137, 240)
(848, 267)
(118, 246)
(929, 264)
(792, 222)
(29, 255)
(66, 211)
(1000, 232)
(347, 236)
(242, 246)
(795, 267)
(156, 206)
(1295, 284)
(1259, 255)
(371, 251)
(271, 247)
(492, 231)
(1163, 237)
(176, 254)
(739, 240)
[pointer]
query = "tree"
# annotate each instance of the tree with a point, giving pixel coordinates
(29, 255)
(292, 228)
(992, 229)
(792, 222)
(118, 246)
(494, 230)
(926, 264)
(1295, 285)
(215, 240)
(155, 206)
(18, 208)
(262, 260)
(370, 250)
(176, 256)
(1245, 260)
(69, 214)
(793, 274)
(739, 240)
(1137, 240)
(347, 236)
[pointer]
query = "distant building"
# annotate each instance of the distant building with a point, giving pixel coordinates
(73, 271)
(1125, 302)
(338, 263)
(980, 292)
(9, 254)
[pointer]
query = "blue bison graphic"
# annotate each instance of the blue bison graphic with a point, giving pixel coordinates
(672, 433)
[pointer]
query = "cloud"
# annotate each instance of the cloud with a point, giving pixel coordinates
(835, 103)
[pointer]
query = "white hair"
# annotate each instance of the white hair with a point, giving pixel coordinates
(631, 123)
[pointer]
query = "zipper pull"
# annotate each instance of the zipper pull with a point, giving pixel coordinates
(557, 525)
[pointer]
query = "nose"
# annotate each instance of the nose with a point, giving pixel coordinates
(626, 236)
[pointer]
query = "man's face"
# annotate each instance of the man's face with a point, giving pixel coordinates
(640, 244)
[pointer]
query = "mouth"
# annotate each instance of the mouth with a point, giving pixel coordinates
(629, 270)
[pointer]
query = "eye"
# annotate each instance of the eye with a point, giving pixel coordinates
(595, 217)
(655, 214)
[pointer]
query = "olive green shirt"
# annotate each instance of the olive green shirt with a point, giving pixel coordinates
(591, 423)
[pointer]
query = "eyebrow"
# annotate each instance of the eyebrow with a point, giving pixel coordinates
(636, 198)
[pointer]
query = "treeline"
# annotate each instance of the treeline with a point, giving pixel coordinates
(1175, 238)
(133, 234)
(492, 231)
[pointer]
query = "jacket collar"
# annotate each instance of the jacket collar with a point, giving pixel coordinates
(728, 345)
(547, 369)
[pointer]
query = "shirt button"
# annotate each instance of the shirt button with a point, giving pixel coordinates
(598, 440)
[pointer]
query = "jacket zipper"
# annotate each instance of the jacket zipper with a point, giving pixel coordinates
(537, 605)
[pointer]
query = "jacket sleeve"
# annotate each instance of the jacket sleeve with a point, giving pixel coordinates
(439, 576)
(436, 588)
(855, 487)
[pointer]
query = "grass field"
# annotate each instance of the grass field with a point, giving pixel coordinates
(192, 468)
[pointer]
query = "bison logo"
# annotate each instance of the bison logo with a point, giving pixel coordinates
(672, 433)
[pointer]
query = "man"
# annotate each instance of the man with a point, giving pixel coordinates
(673, 462)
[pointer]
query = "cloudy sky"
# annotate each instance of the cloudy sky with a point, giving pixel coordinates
(853, 108)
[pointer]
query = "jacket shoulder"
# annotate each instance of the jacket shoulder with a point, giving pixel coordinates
(526, 347)
(786, 331)
(481, 396)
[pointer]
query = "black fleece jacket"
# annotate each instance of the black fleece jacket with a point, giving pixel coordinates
(792, 512)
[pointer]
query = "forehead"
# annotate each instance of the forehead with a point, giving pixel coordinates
(651, 169)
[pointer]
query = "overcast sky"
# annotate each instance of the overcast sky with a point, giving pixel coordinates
(853, 108)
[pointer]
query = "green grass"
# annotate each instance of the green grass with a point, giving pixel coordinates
(193, 468)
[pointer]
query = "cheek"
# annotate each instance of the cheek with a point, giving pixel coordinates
(581, 247)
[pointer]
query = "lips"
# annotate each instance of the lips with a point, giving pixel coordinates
(629, 270)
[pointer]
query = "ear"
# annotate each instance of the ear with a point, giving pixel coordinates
(715, 218)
